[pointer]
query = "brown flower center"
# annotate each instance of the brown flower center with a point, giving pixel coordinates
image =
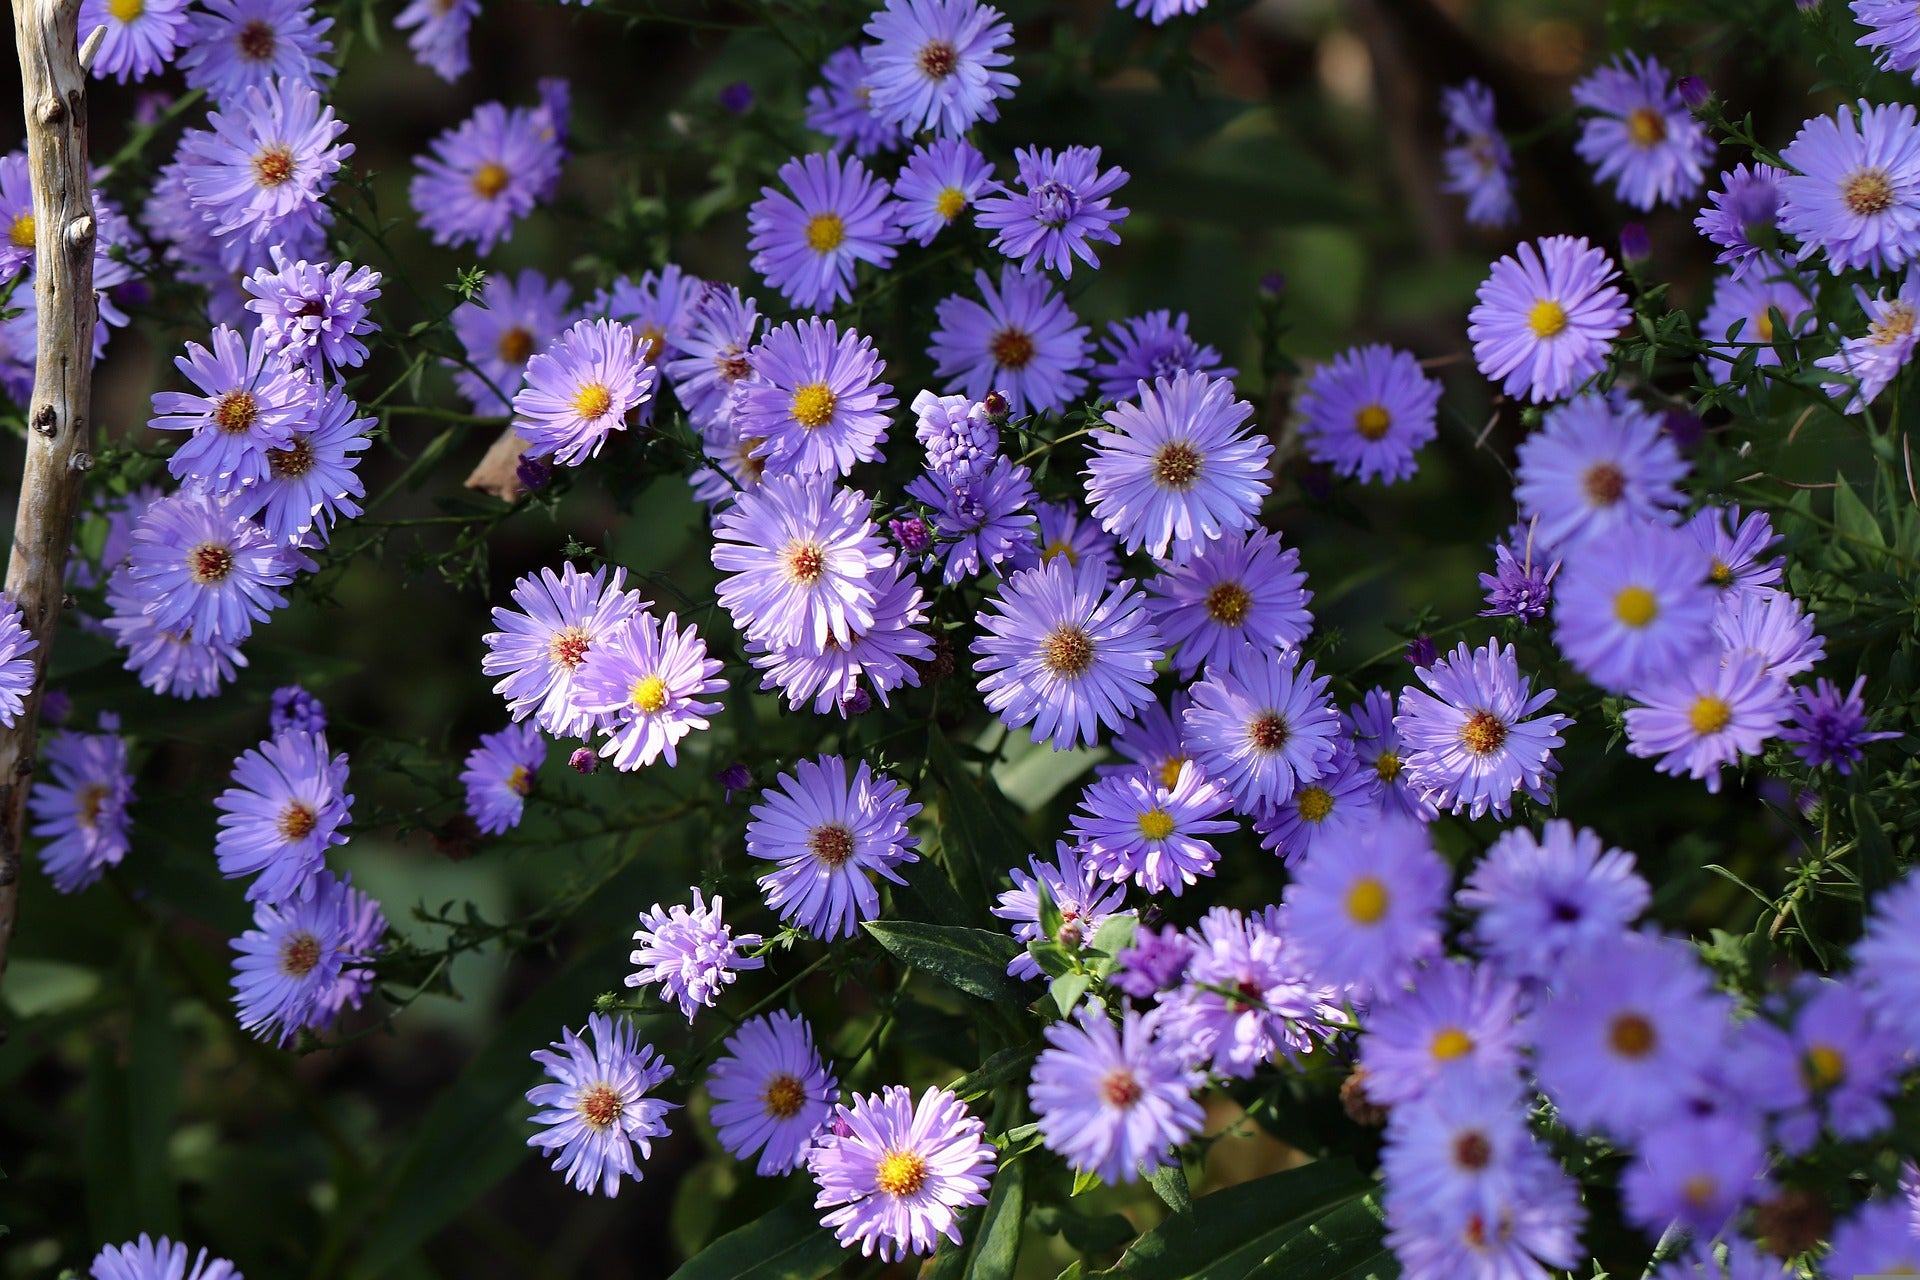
(783, 1096)
(568, 647)
(293, 461)
(1227, 603)
(297, 820)
(1603, 484)
(299, 954)
(1483, 732)
(490, 179)
(600, 1105)
(1176, 465)
(1268, 731)
(831, 843)
(1646, 127)
(1119, 1088)
(937, 59)
(516, 345)
(1067, 651)
(1011, 349)
(210, 563)
(1867, 191)
(256, 41)
(1631, 1036)
(273, 166)
(806, 563)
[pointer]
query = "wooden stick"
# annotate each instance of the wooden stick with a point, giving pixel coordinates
(53, 86)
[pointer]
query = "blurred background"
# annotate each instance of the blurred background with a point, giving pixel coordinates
(1285, 168)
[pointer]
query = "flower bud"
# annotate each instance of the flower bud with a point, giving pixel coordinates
(1634, 246)
(1694, 92)
(583, 760)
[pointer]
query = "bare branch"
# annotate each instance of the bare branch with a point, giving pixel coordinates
(53, 85)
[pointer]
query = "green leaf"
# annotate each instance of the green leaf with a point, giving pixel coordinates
(1851, 517)
(1067, 989)
(980, 832)
(786, 1244)
(1876, 854)
(991, 1245)
(1007, 1064)
(154, 1054)
(1346, 1244)
(1169, 1182)
(969, 960)
(1231, 1232)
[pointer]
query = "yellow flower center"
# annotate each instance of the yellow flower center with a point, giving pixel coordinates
(1825, 1066)
(950, 203)
(1067, 651)
(1170, 771)
(1763, 324)
(1386, 766)
(1635, 606)
(1631, 1036)
(273, 166)
(1709, 715)
(88, 803)
(515, 346)
(650, 693)
(592, 401)
(813, 405)
(1372, 422)
(22, 232)
(1176, 465)
(1227, 603)
(1315, 804)
(1059, 547)
(236, 411)
(1546, 318)
(825, 232)
(297, 821)
(1867, 191)
(1646, 127)
(600, 1105)
(1483, 733)
(126, 10)
(1893, 326)
(1156, 824)
(1367, 901)
(900, 1173)
(520, 781)
(489, 180)
(782, 1096)
(1449, 1043)
(805, 562)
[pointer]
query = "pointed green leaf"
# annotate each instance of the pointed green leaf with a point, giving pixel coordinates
(787, 1244)
(970, 960)
(1851, 517)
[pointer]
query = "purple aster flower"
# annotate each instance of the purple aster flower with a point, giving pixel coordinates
(1743, 216)
(1829, 727)
(895, 1176)
(1643, 138)
(1365, 910)
(203, 567)
(284, 811)
(80, 804)
(985, 521)
(513, 317)
(1546, 316)
(1697, 1171)
(1455, 1019)
(1346, 792)
(262, 169)
(1260, 726)
(1377, 749)
(1151, 742)
(813, 400)
(1849, 1066)
(830, 835)
(875, 661)
(16, 669)
(1479, 165)
(1114, 1101)
(1742, 1262)
(1134, 829)
(805, 244)
(1065, 653)
(1870, 362)
(1240, 590)
(1852, 191)
(660, 307)
(690, 953)
(1542, 899)
(1367, 412)
(1161, 11)
(799, 558)
(1021, 341)
(313, 480)
(249, 403)
(1178, 469)
(940, 181)
(439, 39)
(499, 776)
(1631, 1021)
(712, 358)
(312, 313)
(771, 1093)
(1879, 1240)
(1073, 885)
(1155, 961)
(540, 650)
(647, 681)
(1064, 206)
(16, 215)
(1475, 741)
(581, 390)
(1893, 33)
(842, 108)
(1740, 319)
(233, 46)
(1633, 604)
(1153, 345)
(1521, 585)
(961, 441)
(485, 174)
(596, 1110)
(168, 659)
(936, 64)
(304, 962)
(142, 35)
(1273, 1007)
(1738, 546)
(1594, 466)
(1066, 530)
(1708, 717)
(162, 1259)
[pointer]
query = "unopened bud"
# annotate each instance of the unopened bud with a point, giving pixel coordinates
(1634, 246)
(1694, 92)
(583, 760)
(997, 406)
